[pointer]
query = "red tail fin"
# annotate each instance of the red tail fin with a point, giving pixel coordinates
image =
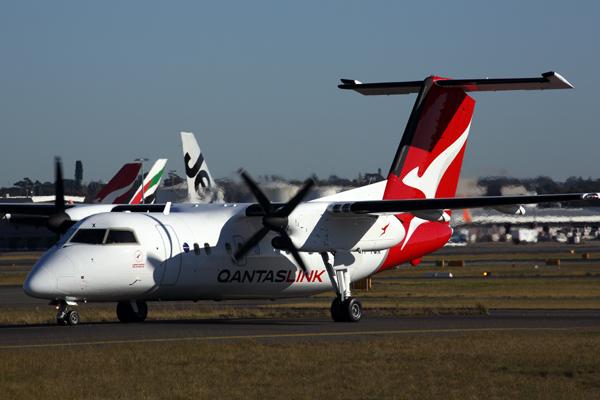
(430, 154)
(119, 187)
(428, 163)
(429, 158)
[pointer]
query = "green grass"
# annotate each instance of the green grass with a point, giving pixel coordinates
(531, 255)
(474, 366)
(13, 279)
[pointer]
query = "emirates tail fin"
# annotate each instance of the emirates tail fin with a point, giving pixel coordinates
(151, 182)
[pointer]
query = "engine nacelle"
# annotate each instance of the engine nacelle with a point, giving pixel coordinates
(360, 233)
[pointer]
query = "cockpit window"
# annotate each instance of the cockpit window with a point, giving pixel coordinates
(101, 236)
(120, 236)
(66, 236)
(89, 236)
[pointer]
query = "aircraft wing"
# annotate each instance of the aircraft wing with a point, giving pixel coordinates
(457, 203)
(41, 209)
(47, 209)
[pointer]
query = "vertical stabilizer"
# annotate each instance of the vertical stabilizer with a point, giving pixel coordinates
(118, 189)
(201, 186)
(429, 158)
(151, 182)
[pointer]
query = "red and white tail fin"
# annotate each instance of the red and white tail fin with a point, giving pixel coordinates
(429, 158)
(118, 189)
(151, 182)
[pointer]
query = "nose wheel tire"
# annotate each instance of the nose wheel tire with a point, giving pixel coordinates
(72, 318)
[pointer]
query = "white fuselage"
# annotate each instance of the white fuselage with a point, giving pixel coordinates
(188, 255)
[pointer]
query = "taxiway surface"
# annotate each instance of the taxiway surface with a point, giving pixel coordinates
(293, 329)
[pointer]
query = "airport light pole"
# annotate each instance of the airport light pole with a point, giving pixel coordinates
(141, 161)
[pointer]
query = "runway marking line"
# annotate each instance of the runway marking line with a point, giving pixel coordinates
(291, 335)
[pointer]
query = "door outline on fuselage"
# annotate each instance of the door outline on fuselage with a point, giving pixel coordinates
(172, 255)
(238, 243)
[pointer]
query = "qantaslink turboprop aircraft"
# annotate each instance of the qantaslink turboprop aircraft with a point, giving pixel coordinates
(273, 250)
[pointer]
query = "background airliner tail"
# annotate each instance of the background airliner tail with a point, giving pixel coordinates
(151, 182)
(118, 189)
(201, 186)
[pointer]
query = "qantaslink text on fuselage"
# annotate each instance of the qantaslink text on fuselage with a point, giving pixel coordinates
(268, 276)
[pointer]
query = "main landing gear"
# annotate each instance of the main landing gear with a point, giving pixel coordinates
(344, 308)
(132, 311)
(65, 317)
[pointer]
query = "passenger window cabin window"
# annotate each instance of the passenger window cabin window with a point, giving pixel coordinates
(228, 248)
(196, 249)
(207, 249)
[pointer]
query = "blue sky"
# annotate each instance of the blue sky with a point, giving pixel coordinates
(256, 82)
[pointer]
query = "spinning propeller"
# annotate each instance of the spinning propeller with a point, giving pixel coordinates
(59, 222)
(275, 219)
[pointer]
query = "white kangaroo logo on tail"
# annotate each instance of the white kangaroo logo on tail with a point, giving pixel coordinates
(429, 181)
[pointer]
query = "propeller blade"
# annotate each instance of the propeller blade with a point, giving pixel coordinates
(292, 249)
(289, 207)
(275, 220)
(265, 204)
(59, 190)
(59, 222)
(250, 243)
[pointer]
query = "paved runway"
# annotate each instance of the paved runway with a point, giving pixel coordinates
(293, 329)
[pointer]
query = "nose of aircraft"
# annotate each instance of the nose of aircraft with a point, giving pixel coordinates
(38, 283)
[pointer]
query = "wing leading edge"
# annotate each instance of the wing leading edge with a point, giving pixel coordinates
(458, 203)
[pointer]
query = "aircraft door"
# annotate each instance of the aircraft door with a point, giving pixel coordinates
(239, 243)
(172, 254)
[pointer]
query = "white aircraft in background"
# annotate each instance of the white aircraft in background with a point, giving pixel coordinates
(274, 250)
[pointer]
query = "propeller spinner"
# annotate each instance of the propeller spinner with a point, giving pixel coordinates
(275, 220)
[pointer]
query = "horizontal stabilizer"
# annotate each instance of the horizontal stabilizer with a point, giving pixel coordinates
(549, 80)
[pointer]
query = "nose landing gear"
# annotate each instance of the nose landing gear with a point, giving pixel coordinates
(64, 317)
